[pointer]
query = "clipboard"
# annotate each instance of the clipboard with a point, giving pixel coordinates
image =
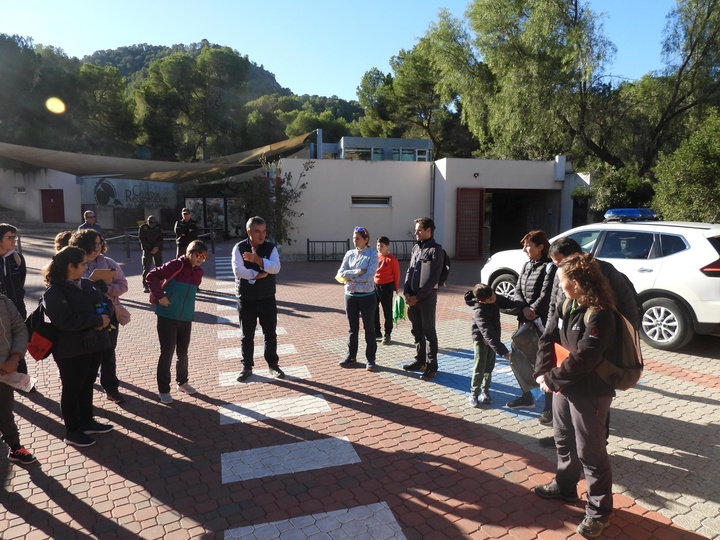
(561, 353)
(104, 274)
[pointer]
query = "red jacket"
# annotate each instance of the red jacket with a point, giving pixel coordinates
(388, 270)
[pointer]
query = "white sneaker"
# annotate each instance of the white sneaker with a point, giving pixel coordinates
(185, 387)
(473, 400)
(165, 398)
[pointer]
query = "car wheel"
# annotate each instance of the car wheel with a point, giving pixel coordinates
(665, 324)
(504, 284)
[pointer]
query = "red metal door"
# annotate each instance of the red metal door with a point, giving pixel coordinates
(53, 205)
(469, 223)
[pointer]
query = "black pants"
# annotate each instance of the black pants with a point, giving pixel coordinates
(384, 294)
(8, 427)
(250, 313)
(174, 335)
(108, 365)
(78, 375)
(422, 318)
(148, 260)
(356, 307)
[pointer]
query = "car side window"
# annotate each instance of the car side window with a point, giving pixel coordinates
(585, 239)
(672, 244)
(626, 245)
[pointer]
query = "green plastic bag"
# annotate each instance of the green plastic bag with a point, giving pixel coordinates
(399, 309)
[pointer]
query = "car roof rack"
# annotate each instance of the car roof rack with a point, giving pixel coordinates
(624, 215)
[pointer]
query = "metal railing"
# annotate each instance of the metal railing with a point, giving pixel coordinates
(131, 238)
(334, 250)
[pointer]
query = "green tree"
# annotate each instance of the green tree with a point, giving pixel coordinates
(688, 187)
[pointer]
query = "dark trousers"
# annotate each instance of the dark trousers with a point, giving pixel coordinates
(483, 365)
(356, 307)
(174, 336)
(148, 260)
(422, 318)
(384, 294)
(181, 250)
(580, 428)
(8, 427)
(78, 375)
(108, 366)
(250, 313)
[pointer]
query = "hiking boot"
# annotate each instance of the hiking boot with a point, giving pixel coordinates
(546, 418)
(386, 339)
(592, 527)
(114, 396)
(552, 491)
(244, 374)
(522, 403)
(348, 362)
(473, 400)
(484, 398)
(78, 438)
(21, 455)
(378, 336)
(96, 427)
(276, 372)
(165, 398)
(429, 372)
(547, 442)
(186, 388)
(417, 365)
(370, 366)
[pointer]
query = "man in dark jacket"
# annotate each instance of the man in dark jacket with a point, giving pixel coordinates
(421, 288)
(13, 272)
(255, 263)
(186, 230)
(150, 236)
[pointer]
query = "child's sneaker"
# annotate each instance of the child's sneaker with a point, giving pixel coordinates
(21, 455)
(473, 400)
(484, 398)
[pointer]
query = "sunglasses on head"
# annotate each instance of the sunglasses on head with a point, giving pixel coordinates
(360, 229)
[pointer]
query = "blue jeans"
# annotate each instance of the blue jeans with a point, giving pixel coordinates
(356, 307)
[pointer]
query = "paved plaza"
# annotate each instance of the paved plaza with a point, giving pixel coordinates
(344, 453)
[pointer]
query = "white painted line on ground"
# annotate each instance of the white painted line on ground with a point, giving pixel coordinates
(287, 459)
(229, 378)
(235, 334)
(272, 408)
(371, 521)
(236, 352)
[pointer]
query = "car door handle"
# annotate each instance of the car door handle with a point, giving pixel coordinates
(645, 270)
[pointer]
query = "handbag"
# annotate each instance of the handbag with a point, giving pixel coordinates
(523, 350)
(42, 333)
(153, 298)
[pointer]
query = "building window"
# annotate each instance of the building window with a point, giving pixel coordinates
(360, 154)
(378, 154)
(20, 189)
(375, 202)
(423, 155)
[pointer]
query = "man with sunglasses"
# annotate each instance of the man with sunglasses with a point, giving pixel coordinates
(13, 272)
(91, 223)
(421, 288)
(255, 263)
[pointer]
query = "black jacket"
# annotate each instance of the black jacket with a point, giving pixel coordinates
(423, 273)
(185, 232)
(150, 237)
(75, 312)
(534, 288)
(587, 346)
(13, 272)
(486, 321)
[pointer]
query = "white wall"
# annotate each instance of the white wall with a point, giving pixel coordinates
(326, 203)
(30, 201)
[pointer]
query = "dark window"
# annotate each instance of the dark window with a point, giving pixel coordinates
(626, 245)
(672, 244)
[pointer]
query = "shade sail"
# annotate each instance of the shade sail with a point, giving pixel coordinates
(139, 169)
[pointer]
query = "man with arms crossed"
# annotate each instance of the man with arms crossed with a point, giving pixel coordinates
(255, 263)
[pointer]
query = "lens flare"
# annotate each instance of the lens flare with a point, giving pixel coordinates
(55, 105)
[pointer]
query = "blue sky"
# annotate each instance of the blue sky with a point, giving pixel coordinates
(321, 47)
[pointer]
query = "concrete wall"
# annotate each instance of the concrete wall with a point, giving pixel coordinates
(326, 204)
(30, 201)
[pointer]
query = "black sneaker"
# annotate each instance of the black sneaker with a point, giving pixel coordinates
(521, 403)
(276, 372)
(244, 374)
(21, 455)
(348, 362)
(552, 491)
(78, 438)
(546, 418)
(429, 372)
(96, 427)
(547, 442)
(146, 289)
(592, 527)
(417, 365)
(115, 396)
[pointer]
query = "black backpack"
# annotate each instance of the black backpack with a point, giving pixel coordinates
(445, 269)
(624, 368)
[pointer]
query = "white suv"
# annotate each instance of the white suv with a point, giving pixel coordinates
(674, 266)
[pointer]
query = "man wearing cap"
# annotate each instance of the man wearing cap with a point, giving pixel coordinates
(91, 223)
(186, 230)
(150, 236)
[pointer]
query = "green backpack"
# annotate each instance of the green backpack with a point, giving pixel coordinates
(624, 369)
